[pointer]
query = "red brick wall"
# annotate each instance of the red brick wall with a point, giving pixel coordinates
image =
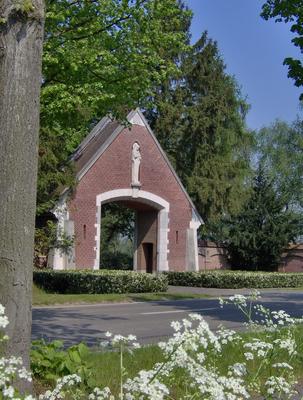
(292, 260)
(212, 256)
(113, 171)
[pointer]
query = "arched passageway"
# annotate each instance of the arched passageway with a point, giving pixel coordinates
(150, 227)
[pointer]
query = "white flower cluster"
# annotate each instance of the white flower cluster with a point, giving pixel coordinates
(273, 320)
(243, 303)
(288, 344)
(238, 369)
(63, 386)
(99, 394)
(240, 299)
(113, 341)
(227, 335)
(10, 368)
(192, 349)
(269, 352)
(279, 386)
(282, 365)
(3, 317)
(258, 347)
(145, 385)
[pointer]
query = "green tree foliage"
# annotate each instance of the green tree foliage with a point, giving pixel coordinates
(260, 233)
(48, 237)
(280, 151)
(289, 11)
(55, 171)
(117, 235)
(99, 57)
(199, 120)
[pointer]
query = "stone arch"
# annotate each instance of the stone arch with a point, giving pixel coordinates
(144, 197)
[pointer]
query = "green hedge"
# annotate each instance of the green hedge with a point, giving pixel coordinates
(235, 279)
(101, 281)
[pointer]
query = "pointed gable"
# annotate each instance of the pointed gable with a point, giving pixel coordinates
(103, 135)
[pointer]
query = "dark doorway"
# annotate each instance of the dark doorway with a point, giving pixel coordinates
(148, 257)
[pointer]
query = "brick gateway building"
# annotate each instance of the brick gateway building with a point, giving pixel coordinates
(127, 165)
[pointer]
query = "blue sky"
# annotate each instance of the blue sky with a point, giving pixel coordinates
(253, 51)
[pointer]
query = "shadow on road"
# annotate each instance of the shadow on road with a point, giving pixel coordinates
(70, 326)
(148, 320)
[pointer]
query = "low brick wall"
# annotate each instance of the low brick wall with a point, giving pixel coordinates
(215, 256)
(292, 260)
(212, 256)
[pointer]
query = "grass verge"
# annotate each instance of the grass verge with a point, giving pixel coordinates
(42, 298)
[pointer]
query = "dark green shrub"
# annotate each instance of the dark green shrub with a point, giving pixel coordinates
(100, 281)
(235, 279)
(117, 261)
(49, 361)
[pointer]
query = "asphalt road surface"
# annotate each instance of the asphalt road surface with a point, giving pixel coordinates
(149, 321)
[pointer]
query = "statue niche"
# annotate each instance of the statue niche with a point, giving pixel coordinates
(136, 160)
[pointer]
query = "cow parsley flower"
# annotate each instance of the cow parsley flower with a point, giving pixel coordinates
(98, 394)
(249, 356)
(238, 369)
(288, 344)
(3, 318)
(282, 365)
(278, 385)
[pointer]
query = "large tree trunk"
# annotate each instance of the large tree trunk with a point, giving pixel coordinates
(21, 36)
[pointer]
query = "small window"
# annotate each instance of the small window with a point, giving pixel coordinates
(84, 231)
(177, 237)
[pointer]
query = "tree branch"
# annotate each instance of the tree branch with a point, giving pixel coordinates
(103, 29)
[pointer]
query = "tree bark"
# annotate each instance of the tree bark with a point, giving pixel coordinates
(21, 37)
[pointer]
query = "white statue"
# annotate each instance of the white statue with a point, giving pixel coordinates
(136, 160)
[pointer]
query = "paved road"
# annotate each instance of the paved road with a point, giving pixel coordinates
(149, 321)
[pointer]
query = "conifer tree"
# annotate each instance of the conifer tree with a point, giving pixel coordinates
(260, 233)
(199, 120)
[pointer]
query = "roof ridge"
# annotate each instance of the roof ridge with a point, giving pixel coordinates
(97, 129)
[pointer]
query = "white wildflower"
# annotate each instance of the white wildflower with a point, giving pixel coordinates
(282, 365)
(279, 385)
(8, 392)
(238, 369)
(176, 325)
(249, 356)
(287, 344)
